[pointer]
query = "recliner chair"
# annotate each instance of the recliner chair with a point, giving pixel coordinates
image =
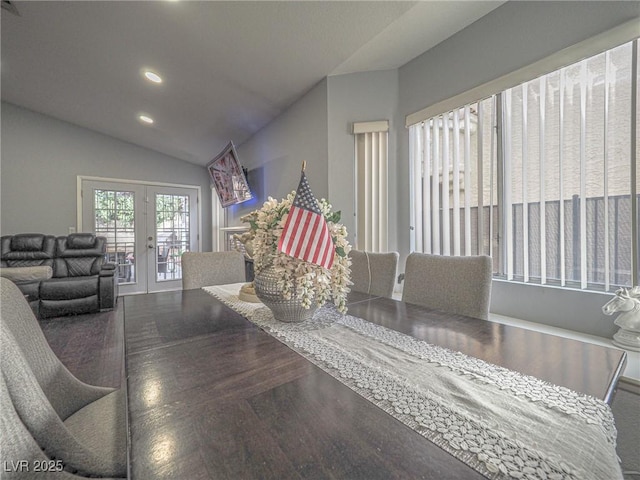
(80, 281)
(32, 253)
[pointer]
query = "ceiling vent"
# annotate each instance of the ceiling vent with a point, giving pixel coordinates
(10, 7)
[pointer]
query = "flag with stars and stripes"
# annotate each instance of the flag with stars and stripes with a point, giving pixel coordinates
(306, 234)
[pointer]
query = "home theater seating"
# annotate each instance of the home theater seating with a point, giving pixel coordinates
(64, 275)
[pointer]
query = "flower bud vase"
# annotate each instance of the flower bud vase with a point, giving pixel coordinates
(284, 309)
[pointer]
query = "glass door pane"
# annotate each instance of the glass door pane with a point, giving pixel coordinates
(115, 219)
(172, 232)
(116, 211)
(175, 231)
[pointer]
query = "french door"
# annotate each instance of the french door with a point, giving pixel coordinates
(148, 228)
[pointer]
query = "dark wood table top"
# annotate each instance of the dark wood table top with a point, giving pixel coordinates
(211, 396)
(580, 366)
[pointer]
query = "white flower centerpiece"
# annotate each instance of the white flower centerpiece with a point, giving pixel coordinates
(296, 279)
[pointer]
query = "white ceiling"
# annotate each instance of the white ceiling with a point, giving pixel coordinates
(229, 68)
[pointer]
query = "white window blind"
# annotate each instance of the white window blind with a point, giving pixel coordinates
(453, 167)
(371, 151)
(541, 176)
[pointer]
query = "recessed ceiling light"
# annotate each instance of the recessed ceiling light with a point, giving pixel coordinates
(152, 76)
(146, 119)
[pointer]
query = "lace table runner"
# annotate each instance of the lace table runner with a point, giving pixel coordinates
(501, 423)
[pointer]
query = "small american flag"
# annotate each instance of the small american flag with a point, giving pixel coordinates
(306, 234)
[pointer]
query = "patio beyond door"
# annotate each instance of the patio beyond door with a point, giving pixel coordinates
(148, 228)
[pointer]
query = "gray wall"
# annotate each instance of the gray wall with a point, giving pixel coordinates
(317, 129)
(42, 157)
(275, 154)
(353, 98)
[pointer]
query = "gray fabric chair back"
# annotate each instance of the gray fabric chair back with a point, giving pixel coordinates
(20, 451)
(41, 421)
(460, 285)
(201, 269)
(41, 395)
(66, 393)
(373, 273)
(16, 443)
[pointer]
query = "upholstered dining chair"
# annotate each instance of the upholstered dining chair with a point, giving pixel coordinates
(74, 429)
(201, 269)
(373, 273)
(460, 285)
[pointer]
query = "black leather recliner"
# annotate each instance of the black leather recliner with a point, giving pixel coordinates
(81, 281)
(28, 250)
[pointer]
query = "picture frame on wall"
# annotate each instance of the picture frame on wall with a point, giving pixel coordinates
(228, 178)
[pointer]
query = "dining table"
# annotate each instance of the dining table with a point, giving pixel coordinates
(213, 395)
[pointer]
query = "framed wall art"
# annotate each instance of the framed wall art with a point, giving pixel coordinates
(228, 177)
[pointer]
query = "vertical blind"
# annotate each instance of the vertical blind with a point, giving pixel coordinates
(540, 176)
(453, 170)
(371, 149)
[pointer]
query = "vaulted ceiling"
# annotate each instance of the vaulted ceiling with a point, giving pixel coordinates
(227, 68)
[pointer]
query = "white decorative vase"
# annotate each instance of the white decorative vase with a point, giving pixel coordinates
(283, 309)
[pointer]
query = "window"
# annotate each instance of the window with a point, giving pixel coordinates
(540, 176)
(115, 219)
